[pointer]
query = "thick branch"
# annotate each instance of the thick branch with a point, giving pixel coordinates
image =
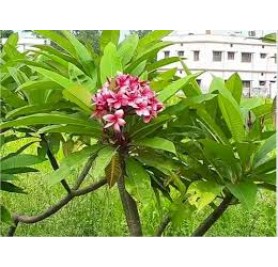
(56, 207)
(161, 228)
(84, 173)
(213, 217)
(130, 210)
(54, 163)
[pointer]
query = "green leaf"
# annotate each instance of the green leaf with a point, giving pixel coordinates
(20, 161)
(102, 160)
(212, 126)
(221, 151)
(6, 176)
(266, 167)
(144, 130)
(9, 187)
(71, 163)
(157, 143)
(232, 116)
(268, 146)
(127, 48)
(245, 192)
(59, 39)
(149, 54)
(270, 38)
(160, 162)
(109, 36)
(79, 96)
(114, 170)
(245, 152)
(216, 84)
(202, 193)
(19, 170)
(31, 109)
(138, 182)
(11, 98)
(269, 178)
(161, 63)
(234, 84)
(38, 85)
(5, 215)
(152, 37)
(80, 50)
(49, 118)
(110, 63)
(72, 129)
(83, 54)
(53, 76)
(175, 86)
(137, 71)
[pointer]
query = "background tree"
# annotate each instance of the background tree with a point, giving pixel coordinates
(89, 37)
(141, 33)
(5, 33)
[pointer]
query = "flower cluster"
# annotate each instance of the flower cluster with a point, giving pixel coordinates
(123, 95)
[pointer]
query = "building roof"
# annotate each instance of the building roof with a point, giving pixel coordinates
(215, 38)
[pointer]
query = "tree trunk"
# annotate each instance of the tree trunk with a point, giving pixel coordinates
(130, 209)
(213, 217)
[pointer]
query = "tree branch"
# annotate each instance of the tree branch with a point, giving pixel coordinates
(214, 216)
(130, 208)
(163, 225)
(84, 173)
(56, 207)
(54, 162)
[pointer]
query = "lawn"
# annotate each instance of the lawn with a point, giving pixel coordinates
(100, 213)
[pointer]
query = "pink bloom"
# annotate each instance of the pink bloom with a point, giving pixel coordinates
(125, 93)
(117, 100)
(142, 108)
(99, 112)
(147, 92)
(116, 120)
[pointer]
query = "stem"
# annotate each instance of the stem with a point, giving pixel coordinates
(130, 208)
(161, 228)
(55, 208)
(84, 173)
(213, 217)
(54, 163)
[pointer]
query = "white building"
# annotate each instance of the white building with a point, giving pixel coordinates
(223, 55)
(26, 40)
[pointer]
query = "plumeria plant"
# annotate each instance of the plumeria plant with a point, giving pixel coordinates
(119, 120)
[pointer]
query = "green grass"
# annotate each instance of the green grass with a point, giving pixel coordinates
(100, 213)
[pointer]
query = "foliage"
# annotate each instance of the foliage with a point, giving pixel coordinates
(199, 149)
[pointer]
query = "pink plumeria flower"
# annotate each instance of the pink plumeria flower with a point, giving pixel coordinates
(147, 92)
(117, 100)
(142, 108)
(116, 120)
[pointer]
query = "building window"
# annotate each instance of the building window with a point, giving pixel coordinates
(231, 45)
(180, 53)
(199, 81)
(252, 33)
(217, 56)
(263, 55)
(181, 44)
(166, 54)
(246, 84)
(246, 57)
(262, 83)
(231, 55)
(262, 74)
(262, 46)
(196, 55)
